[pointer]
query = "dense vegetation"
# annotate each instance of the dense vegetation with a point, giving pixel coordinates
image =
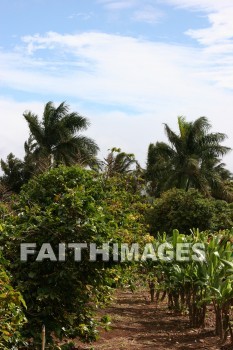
(186, 210)
(62, 194)
(192, 285)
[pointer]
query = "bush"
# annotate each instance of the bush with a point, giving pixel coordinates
(181, 210)
(62, 206)
(69, 205)
(222, 215)
(11, 310)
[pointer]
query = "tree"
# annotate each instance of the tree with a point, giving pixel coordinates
(118, 162)
(13, 169)
(57, 136)
(191, 159)
(17, 172)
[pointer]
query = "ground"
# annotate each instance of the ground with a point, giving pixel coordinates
(138, 324)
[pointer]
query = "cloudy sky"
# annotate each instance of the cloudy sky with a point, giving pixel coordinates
(127, 65)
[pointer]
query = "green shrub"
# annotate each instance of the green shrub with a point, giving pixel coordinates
(11, 310)
(61, 206)
(69, 205)
(222, 215)
(181, 210)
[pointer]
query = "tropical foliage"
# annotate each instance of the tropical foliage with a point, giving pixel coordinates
(13, 169)
(118, 162)
(191, 159)
(57, 138)
(194, 284)
(61, 194)
(70, 205)
(182, 210)
(11, 310)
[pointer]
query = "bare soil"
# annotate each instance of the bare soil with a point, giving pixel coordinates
(138, 324)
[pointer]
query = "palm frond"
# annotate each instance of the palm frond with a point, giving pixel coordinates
(35, 127)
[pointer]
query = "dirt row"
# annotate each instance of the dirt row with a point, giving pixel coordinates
(138, 324)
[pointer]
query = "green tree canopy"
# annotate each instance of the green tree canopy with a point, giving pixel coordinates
(118, 162)
(13, 173)
(192, 158)
(57, 138)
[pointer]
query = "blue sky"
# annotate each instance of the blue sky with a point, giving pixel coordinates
(153, 20)
(127, 65)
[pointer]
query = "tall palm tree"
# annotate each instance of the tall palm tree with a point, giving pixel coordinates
(191, 159)
(56, 138)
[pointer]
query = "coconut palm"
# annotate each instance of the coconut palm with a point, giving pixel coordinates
(57, 138)
(191, 159)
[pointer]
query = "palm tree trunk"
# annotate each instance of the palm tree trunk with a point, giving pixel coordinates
(187, 185)
(51, 161)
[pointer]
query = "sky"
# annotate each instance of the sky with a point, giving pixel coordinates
(129, 66)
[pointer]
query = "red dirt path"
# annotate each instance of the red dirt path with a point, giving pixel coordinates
(138, 324)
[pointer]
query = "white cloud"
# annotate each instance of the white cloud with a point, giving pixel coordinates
(118, 4)
(14, 130)
(155, 82)
(84, 16)
(208, 5)
(148, 14)
(220, 30)
(128, 67)
(101, 60)
(142, 11)
(217, 37)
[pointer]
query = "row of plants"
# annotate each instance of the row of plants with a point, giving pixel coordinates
(192, 286)
(114, 202)
(70, 205)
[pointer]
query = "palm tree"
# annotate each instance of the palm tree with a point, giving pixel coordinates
(191, 159)
(118, 162)
(56, 138)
